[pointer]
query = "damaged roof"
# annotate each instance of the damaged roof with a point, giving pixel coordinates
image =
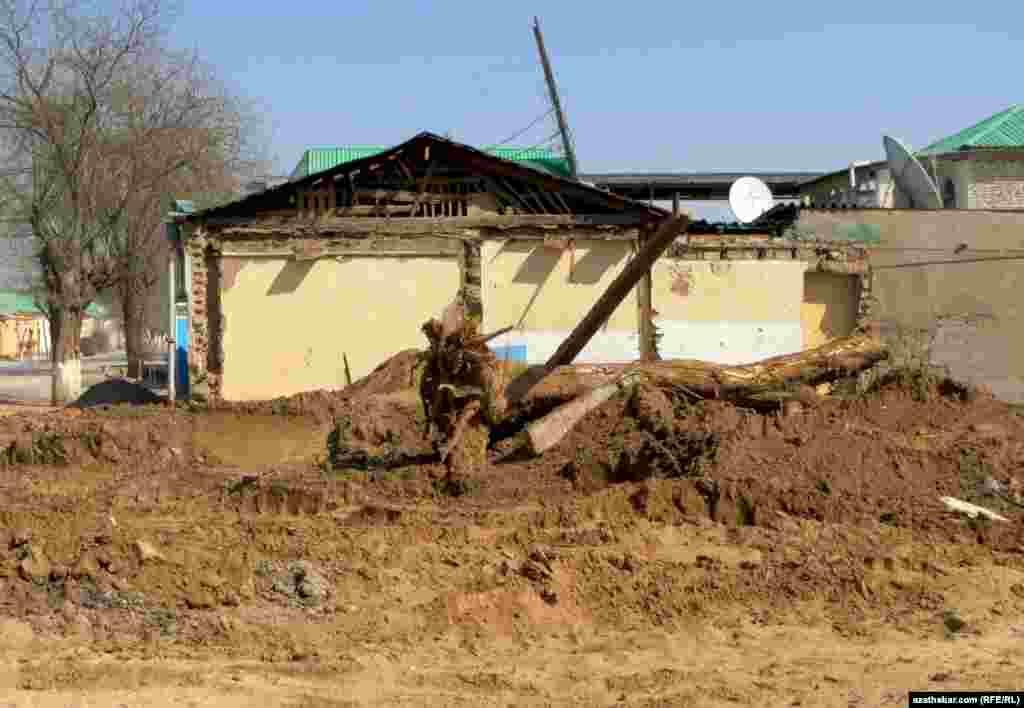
(455, 152)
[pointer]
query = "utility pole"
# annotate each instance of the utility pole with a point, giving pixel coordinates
(570, 154)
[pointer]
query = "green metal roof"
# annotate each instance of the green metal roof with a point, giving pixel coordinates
(1003, 130)
(20, 303)
(319, 159)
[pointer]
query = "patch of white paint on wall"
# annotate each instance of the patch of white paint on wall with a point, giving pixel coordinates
(730, 343)
(537, 347)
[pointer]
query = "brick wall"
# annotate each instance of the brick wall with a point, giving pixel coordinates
(198, 364)
(996, 184)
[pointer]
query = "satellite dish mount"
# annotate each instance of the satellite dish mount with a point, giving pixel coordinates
(749, 197)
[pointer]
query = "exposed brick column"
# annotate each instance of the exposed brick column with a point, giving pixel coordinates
(205, 353)
(472, 280)
(867, 306)
(196, 249)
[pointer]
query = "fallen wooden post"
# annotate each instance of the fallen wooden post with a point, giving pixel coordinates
(545, 433)
(617, 291)
(972, 510)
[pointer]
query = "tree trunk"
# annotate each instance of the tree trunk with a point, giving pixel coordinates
(66, 333)
(133, 308)
(746, 384)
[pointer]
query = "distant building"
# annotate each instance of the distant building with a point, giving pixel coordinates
(24, 329)
(981, 167)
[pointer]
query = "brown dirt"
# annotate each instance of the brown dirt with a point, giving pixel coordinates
(664, 554)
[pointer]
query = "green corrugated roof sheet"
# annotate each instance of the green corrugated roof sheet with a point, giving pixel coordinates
(17, 303)
(319, 159)
(1003, 130)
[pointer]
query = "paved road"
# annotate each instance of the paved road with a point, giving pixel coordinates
(34, 387)
(30, 381)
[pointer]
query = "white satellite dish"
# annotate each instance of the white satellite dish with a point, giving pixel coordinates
(749, 197)
(910, 176)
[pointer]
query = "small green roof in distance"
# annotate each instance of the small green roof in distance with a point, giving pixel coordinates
(1003, 130)
(20, 303)
(319, 159)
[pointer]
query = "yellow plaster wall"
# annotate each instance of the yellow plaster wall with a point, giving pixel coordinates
(744, 291)
(546, 289)
(287, 324)
(829, 307)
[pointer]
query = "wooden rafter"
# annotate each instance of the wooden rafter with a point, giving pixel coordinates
(541, 206)
(491, 185)
(561, 201)
(522, 202)
(406, 172)
(424, 185)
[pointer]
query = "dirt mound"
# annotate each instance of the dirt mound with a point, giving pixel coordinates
(393, 378)
(394, 375)
(114, 392)
(886, 457)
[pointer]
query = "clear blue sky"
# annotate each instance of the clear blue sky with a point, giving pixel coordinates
(648, 86)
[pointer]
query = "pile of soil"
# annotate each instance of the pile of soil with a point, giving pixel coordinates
(886, 457)
(394, 376)
(113, 392)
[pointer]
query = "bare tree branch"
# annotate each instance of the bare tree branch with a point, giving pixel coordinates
(100, 124)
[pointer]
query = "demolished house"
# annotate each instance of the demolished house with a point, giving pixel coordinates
(314, 282)
(337, 270)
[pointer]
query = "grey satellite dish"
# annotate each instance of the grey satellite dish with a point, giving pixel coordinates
(749, 197)
(910, 176)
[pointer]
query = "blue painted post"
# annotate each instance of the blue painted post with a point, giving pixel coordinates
(179, 324)
(181, 339)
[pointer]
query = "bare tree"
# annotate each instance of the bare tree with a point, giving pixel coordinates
(98, 118)
(189, 137)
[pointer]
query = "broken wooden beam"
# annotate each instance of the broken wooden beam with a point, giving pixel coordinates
(538, 388)
(544, 433)
(617, 291)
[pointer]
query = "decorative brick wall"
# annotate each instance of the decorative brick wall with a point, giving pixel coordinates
(196, 250)
(995, 184)
(998, 194)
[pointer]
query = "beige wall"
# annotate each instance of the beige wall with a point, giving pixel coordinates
(545, 292)
(736, 312)
(287, 324)
(829, 307)
(972, 306)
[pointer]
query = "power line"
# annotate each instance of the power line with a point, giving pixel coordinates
(918, 264)
(534, 122)
(545, 140)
